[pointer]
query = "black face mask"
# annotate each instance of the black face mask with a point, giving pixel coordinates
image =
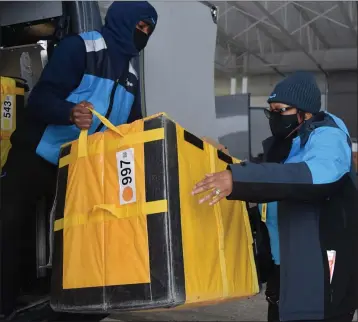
(140, 39)
(282, 125)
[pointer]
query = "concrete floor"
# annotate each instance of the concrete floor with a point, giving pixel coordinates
(252, 309)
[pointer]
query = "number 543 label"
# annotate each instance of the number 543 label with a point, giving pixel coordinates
(7, 113)
(126, 176)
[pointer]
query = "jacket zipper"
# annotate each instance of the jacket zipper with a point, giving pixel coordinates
(110, 106)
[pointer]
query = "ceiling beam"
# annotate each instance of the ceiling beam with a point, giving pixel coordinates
(224, 63)
(299, 4)
(286, 32)
(264, 30)
(223, 69)
(348, 21)
(312, 25)
(240, 47)
(258, 20)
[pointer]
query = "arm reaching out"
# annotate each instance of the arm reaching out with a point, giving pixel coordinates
(62, 74)
(326, 161)
(325, 165)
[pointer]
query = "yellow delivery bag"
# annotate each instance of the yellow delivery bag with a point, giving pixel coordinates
(128, 233)
(12, 102)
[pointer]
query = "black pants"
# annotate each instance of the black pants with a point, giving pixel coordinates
(25, 179)
(273, 316)
(273, 295)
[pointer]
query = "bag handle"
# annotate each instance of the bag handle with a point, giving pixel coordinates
(82, 140)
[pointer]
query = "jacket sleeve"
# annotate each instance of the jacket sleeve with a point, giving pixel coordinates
(325, 165)
(136, 111)
(62, 74)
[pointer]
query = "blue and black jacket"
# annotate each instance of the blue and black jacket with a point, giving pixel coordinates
(316, 199)
(94, 66)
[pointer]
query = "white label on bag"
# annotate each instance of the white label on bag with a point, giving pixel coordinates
(126, 176)
(331, 254)
(7, 110)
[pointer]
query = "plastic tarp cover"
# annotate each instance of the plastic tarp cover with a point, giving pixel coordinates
(128, 233)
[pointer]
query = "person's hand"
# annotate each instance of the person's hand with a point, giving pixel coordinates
(81, 116)
(219, 185)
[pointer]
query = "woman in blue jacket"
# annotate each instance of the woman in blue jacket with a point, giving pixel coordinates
(316, 203)
(275, 149)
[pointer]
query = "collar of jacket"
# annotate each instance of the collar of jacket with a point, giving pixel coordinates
(319, 120)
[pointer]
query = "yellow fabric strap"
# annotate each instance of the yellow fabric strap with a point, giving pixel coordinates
(128, 140)
(65, 161)
(220, 227)
(264, 212)
(136, 138)
(20, 91)
(82, 144)
(99, 213)
(6, 83)
(82, 141)
(9, 87)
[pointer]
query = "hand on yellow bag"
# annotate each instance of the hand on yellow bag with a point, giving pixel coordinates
(81, 116)
(218, 185)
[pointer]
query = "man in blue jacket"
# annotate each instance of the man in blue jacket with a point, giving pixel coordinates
(316, 194)
(93, 70)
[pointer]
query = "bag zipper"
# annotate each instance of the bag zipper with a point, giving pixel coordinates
(110, 106)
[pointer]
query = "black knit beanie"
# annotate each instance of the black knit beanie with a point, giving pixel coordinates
(299, 90)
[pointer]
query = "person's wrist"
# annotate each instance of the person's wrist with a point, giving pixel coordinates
(71, 116)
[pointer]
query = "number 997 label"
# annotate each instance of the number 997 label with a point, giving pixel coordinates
(126, 176)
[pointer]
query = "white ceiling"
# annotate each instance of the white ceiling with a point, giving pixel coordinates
(258, 37)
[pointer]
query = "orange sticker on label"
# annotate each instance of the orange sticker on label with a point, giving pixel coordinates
(127, 194)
